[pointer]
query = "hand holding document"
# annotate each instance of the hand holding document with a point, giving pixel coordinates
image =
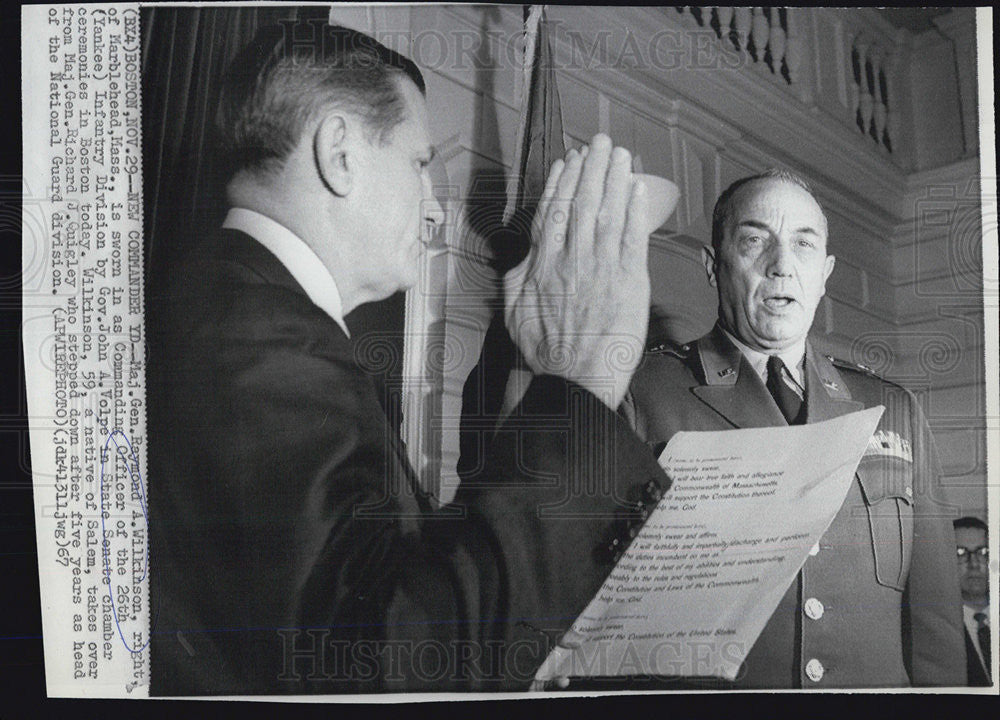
(698, 584)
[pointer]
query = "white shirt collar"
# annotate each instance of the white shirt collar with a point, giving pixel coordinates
(297, 257)
(794, 358)
(969, 612)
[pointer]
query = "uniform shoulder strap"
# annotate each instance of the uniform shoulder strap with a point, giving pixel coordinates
(668, 347)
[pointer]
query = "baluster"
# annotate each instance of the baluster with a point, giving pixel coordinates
(865, 100)
(870, 87)
(712, 20)
(883, 84)
(725, 15)
(743, 22)
(759, 33)
(794, 45)
(854, 79)
(879, 110)
(872, 90)
(777, 41)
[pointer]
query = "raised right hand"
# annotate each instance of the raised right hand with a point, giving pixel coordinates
(578, 305)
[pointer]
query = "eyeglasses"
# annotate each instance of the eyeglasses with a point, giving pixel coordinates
(964, 554)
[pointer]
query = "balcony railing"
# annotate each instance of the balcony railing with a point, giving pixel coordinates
(782, 42)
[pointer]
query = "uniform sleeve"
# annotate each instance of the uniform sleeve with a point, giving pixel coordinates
(934, 646)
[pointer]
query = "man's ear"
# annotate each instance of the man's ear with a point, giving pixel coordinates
(332, 156)
(708, 258)
(828, 269)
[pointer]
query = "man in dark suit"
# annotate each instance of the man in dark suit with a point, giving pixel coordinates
(973, 550)
(875, 604)
(292, 550)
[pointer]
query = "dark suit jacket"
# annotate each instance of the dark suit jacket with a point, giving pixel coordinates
(978, 673)
(885, 572)
(291, 549)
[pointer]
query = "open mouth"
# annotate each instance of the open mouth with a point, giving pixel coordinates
(779, 302)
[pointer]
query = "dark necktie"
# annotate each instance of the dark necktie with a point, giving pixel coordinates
(984, 639)
(788, 400)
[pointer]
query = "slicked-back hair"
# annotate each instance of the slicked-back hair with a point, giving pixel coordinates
(724, 205)
(970, 521)
(295, 70)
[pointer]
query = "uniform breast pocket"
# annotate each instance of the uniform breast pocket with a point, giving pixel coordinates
(887, 483)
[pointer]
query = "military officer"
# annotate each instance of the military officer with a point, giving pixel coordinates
(876, 602)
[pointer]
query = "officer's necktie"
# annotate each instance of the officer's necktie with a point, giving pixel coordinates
(788, 400)
(984, 640)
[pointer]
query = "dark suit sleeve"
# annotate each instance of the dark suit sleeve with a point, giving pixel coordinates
(565, 476)
(279, 507)
(292, 553)
(527, 544)
(934, 646)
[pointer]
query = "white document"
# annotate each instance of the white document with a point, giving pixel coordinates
(696, 587)
(84, 343)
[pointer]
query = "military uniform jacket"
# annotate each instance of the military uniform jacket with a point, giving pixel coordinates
(292, 549)
(877, 602)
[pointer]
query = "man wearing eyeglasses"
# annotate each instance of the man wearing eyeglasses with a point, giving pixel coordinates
(973, 569)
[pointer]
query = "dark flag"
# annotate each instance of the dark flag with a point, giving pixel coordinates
(540, 132)
(540, 143)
